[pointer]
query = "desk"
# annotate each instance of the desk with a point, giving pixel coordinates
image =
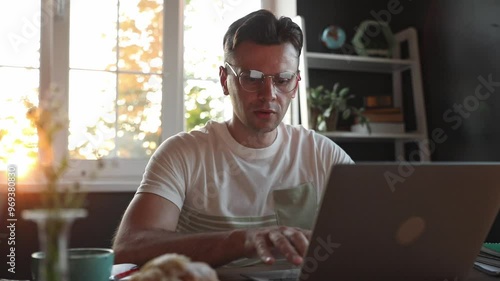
(476, 275)
(232, 275)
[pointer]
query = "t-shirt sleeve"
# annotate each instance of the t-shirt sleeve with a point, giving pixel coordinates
(340, 156)
(331, 152)
(164, 175)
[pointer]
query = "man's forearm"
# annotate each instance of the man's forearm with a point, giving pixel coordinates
(217, 248)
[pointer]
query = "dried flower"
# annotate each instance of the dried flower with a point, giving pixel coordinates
(49, 118)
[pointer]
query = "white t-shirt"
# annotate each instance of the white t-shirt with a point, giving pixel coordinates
(220, 184)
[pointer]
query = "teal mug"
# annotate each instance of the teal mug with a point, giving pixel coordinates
(84, 264)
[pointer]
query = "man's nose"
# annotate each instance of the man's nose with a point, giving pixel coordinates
(268, 91)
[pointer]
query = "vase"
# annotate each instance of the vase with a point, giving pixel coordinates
(332, 121)
(313, 118)
(53, 235)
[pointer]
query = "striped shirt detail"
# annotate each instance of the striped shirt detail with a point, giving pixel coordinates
(191, 221)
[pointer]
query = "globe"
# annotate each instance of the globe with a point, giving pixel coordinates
(333, 37)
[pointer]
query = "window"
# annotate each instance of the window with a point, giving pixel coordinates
(121, 68)
(115, 78)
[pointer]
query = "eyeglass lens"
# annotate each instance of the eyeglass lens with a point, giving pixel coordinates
(253, 80)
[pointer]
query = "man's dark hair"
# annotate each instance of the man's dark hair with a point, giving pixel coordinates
(262, 27)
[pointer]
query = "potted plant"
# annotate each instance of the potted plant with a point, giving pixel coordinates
(325, 107)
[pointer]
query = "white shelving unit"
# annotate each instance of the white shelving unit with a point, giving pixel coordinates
(392, 66)
(356, 63)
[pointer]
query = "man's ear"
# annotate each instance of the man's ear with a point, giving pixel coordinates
(223, 80)
(297, 89)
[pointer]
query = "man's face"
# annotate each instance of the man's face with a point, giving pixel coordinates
(260, 111)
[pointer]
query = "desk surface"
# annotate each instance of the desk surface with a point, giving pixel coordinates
(474, 275)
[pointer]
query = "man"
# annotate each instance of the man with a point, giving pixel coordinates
(248, 187)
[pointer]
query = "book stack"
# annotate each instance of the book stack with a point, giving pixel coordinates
(488, 259)
(382, 120)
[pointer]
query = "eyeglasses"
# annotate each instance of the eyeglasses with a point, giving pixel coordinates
(253, 80)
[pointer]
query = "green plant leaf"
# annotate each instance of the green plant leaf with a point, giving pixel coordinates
(346, 113)
(328, 112)
(322, 125)
(343, 92)
(336, 87)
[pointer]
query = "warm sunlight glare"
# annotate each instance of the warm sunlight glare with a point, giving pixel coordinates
(19, 62)
(18, 144)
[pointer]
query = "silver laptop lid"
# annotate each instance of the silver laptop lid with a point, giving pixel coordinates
(384, 221)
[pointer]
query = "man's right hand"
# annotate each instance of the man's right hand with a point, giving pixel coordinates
(266, 243)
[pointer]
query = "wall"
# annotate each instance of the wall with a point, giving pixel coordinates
(460, 45)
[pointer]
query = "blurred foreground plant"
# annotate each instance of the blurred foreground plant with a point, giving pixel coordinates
(60, 203)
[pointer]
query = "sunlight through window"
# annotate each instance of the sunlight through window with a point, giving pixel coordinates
(125, 40)
(19, 69)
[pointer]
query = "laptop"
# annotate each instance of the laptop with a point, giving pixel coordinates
(398, 221)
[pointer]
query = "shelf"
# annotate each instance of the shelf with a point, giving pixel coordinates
(374, 136)
(393, 67)
(356, 63)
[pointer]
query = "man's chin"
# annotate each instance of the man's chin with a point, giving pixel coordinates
(266, 128)
(265, 125)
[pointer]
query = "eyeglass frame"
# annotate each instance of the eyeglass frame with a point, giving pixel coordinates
(264, 76)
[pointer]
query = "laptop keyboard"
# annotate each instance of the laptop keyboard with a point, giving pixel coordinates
(274, 275)
(284, 279)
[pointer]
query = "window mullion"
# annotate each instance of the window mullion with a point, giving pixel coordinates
(60, 72)
(54, 62)
(46, 47)
(172, 117)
